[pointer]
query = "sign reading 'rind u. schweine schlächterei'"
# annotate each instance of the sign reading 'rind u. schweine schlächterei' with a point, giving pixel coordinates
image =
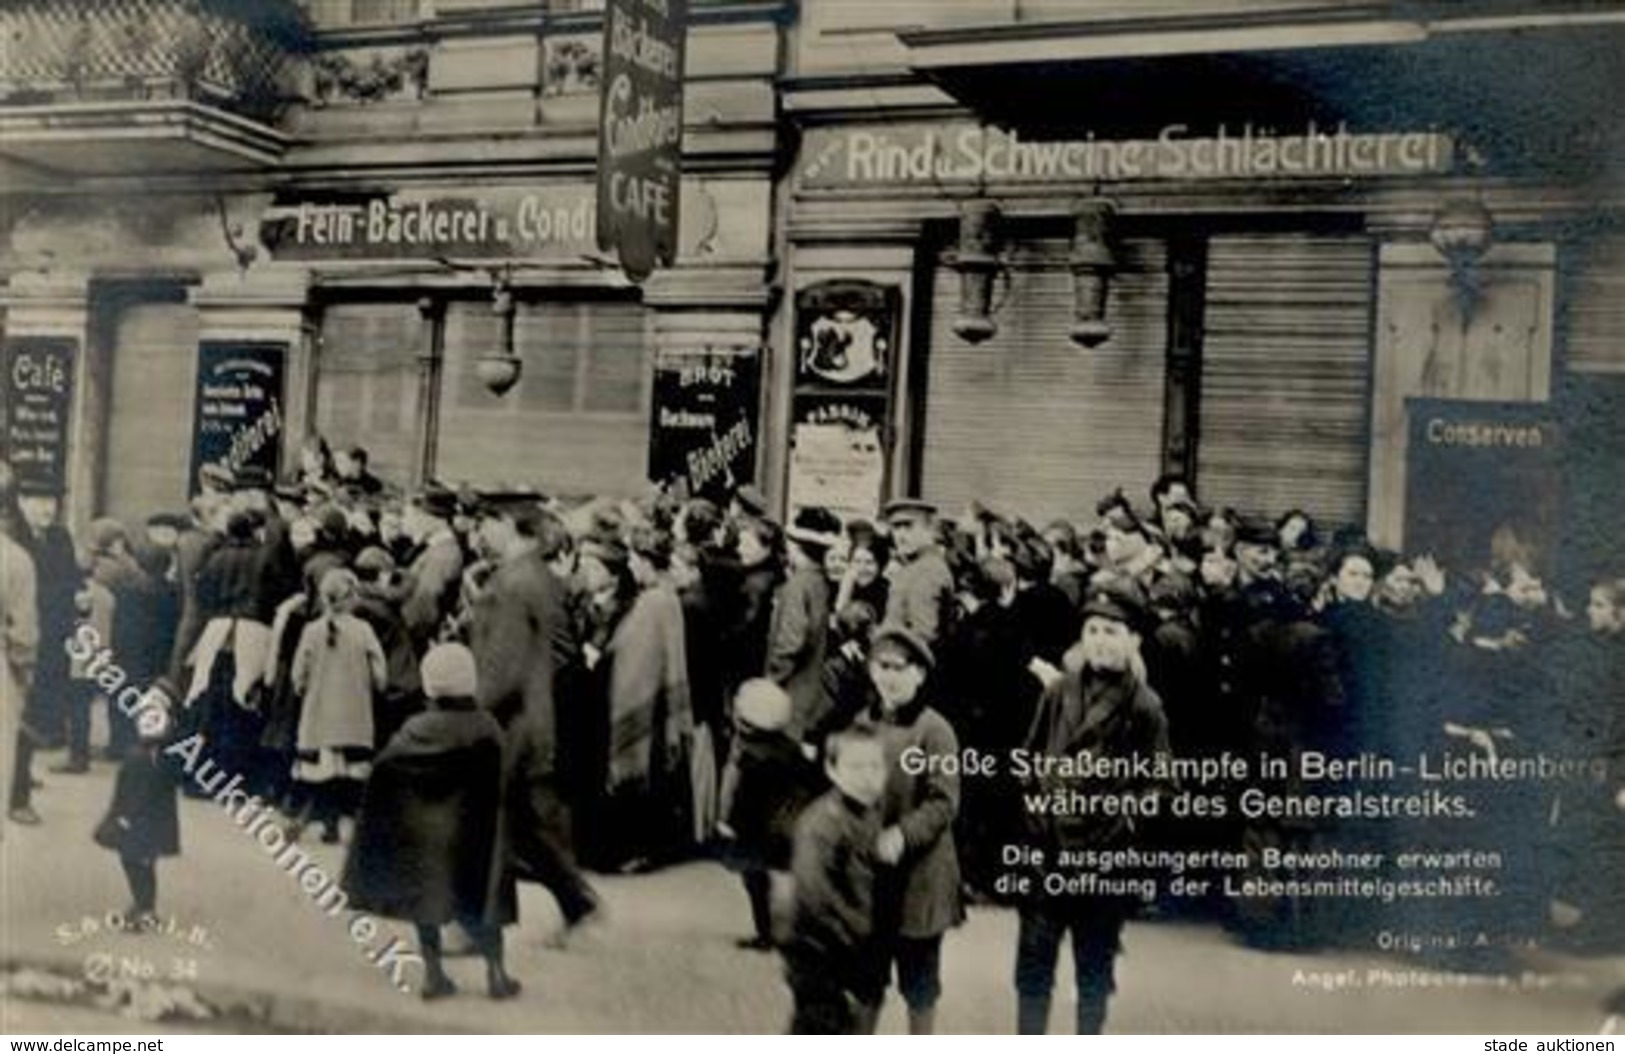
(640, 132)
(966, 153)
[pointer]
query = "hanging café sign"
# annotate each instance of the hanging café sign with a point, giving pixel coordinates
(640, 132)
(909, 154)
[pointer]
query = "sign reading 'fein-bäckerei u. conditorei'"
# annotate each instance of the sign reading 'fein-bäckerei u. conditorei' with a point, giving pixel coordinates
(955, 153)
(485, 222)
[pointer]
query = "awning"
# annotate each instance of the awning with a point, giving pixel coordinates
(1527, 90)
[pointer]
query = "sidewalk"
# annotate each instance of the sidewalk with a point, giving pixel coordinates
(664, 960)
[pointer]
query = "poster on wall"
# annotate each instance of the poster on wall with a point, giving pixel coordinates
(238, 422)
(1476, 468)
(838, 454)
(846, 363)
(702, 432)
(37, 409)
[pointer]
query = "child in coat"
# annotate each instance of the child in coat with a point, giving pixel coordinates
(765, 785)
(428, 846)
(142, 822)
(832, 958)
(337, 668)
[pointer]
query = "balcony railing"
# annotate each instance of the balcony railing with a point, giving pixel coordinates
(232, 54)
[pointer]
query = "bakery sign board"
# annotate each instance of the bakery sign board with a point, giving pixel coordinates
(482, 223)
(961, 153)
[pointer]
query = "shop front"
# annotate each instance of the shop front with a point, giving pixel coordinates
(1260, 290)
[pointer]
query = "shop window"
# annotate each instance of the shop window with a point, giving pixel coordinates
(367, 387)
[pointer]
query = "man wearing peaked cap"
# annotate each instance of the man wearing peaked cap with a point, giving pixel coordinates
(523, 642)
(922, 589)
(905, 508)
(1257, 549)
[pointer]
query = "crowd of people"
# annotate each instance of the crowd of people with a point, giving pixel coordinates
(617, 686)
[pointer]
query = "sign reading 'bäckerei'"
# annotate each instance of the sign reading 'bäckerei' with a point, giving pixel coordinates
(640, 132)
(908, 154)
(488, 222)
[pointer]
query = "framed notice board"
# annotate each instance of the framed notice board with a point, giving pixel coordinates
(238, 421)
(36, 410)
(703, 431)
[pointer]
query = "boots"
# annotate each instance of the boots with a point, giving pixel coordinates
(922, 1022)
(1032, 1015)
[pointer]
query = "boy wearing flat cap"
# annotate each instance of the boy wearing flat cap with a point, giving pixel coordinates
(922, 590)
(919, 898)
(1103, 706)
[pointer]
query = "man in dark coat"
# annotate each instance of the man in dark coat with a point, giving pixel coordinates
(56, 570)
(428, 845)
(436, 572)
(192, 551)
(1101, 706)
(523, 641)
(799, 631)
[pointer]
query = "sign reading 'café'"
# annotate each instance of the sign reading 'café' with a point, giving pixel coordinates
(640, 132)
(38, 398)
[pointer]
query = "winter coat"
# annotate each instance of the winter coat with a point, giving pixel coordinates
(192, 552)
(746, 639)
(765, 786)
(426, 846)
(522, 639)
(926, 900)
(142, 820)
(58, 579)
(922, 596)
(650, 717)
(434, 578)
(796, 643)
(836, 878)
(1110, 717)
(336, 670)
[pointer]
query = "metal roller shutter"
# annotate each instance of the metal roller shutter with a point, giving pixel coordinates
(1595, 308)
(367, 383)
(149, 421)
(1285, 374)
(1028, 422)
(578, 421)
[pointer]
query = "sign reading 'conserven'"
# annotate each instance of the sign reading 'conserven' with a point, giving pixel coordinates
(971, 153)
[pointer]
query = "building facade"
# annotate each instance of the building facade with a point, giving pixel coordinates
(1333, 255)
(325, 226)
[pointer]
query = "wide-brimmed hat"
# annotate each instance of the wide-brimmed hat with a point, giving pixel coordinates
(815, 526)
(751, 500)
